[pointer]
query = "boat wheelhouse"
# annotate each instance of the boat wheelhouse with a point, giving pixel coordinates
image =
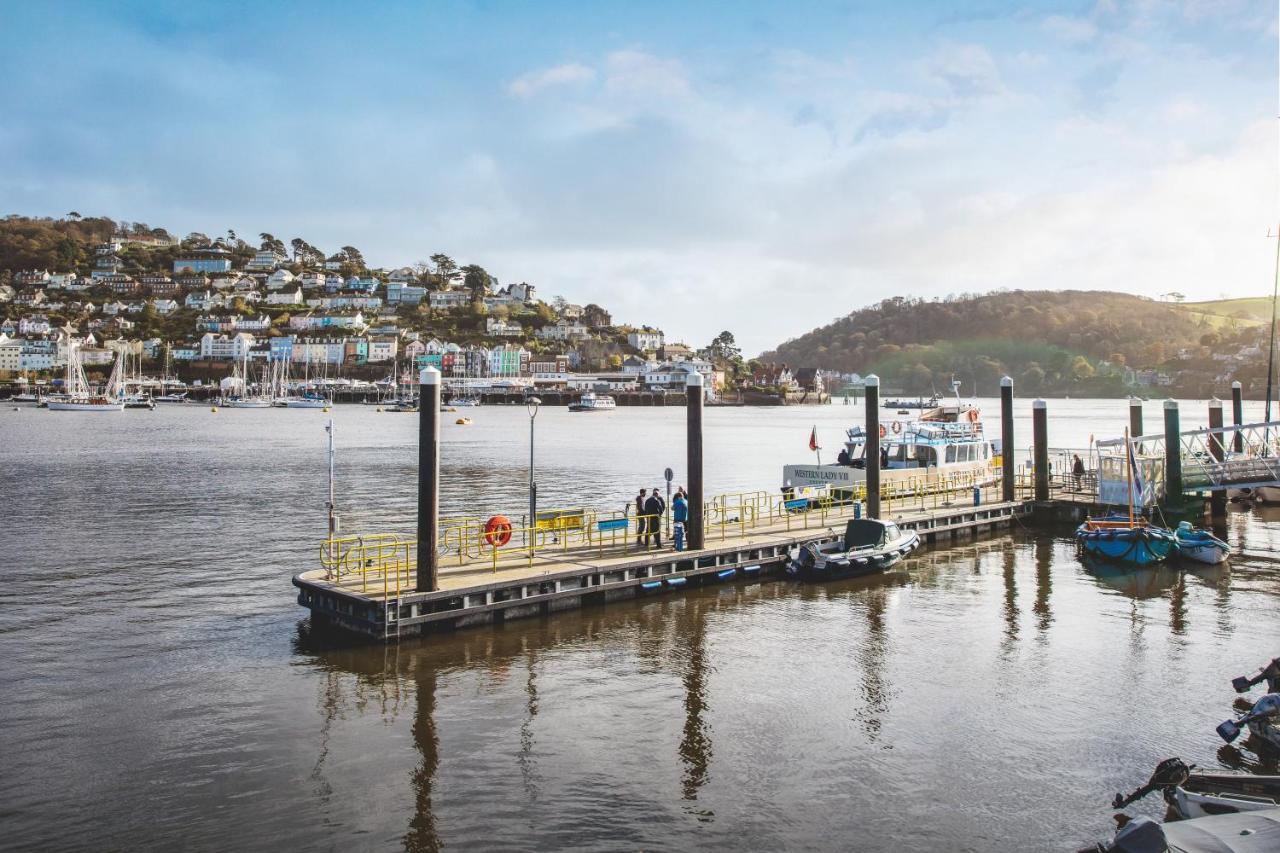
(592, 402)
(945, 444)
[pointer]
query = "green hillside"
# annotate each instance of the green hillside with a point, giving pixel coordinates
(1049, 341)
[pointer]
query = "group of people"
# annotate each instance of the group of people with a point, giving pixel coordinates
(650, 507)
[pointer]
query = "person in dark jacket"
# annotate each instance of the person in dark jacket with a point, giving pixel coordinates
(654, 507)
(642, 523)
(1077, 470)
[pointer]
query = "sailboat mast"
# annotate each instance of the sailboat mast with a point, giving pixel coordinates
(1128, 473)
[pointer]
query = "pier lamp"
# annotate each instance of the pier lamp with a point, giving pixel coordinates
(532, 404)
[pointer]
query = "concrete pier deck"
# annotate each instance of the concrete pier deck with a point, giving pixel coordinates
(384, 605)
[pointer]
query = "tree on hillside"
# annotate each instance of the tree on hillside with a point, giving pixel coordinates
(196, 240)
(724, 348)
(354, 256)
(74, 215)
(477, 280)
(444, 265)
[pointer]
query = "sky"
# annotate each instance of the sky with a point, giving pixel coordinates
(757, 167)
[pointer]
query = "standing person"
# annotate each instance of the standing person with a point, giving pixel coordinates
(654, 507)
(642, 523)
(1077, 470)
(679, 515)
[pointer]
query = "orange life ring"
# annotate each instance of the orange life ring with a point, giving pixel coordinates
(973, 416)
(883, 431)
(497, 531)
(897, 427)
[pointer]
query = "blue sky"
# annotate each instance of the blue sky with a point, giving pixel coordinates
(758, 167)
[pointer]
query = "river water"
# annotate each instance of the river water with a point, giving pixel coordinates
(162, 690)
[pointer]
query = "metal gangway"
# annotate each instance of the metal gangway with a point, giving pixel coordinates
(1230, 457)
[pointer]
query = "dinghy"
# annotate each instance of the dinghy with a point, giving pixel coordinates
(1126, 539)
(868, 546)
(1190, 792)
(1200, 545)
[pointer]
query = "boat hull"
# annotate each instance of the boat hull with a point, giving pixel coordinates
(68, 406)
(247, 404)
(863, 561)
(1139, 546)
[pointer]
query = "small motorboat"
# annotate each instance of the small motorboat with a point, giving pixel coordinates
(179, 397)
(463, 422)
(1125, 539)
(1192, 793)
(591, 402)
(1261, 721)
(1242, 832)
(1197, 544)
(868, 546)
(138, 401)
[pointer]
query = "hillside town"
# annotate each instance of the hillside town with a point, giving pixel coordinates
(216, 303)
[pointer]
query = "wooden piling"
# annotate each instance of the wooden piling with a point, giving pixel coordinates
(1217, 498)
(428, 480)
(694, 534)
(1006, 439)
(1172, 453)
(1237, 414)
(1040, 449)
(871, 396)
(1135, 417)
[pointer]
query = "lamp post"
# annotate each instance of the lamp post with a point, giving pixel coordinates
(532, 404)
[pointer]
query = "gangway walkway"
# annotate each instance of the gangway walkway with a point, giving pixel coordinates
(1230, 457)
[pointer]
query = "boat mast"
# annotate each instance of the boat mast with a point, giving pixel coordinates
(333, 518)
(1271, 349)
(1128, 473)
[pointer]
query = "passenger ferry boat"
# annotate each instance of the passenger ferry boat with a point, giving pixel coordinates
(591, 402)
(944, 442)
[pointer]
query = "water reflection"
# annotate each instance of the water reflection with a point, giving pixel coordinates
(1044, 584)
(423, 834)
(1009, 562)
(695, 739)
(872, 654)
(1137, 584)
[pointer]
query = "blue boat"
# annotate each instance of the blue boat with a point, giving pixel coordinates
(1125, 540)
(1200, 545)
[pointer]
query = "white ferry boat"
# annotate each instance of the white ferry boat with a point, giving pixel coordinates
(944, 442)
(591, 402)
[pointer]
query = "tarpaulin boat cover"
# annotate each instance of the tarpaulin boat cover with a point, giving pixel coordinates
(861, 532)
(1244, 832)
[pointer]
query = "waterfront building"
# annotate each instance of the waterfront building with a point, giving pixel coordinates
(383, 348)
(449, 299)
(184, 352)
(281, 347)
(645, 340)
(39, 355)
(267, 259)
(508, 360)
(399, 292)
(10, 354)
(355, 351)
(203, 260)
(222, 347)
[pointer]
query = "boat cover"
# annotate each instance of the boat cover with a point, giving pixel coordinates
(861, 532)
(1243, 832)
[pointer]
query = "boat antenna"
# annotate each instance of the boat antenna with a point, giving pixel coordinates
(1275, 289)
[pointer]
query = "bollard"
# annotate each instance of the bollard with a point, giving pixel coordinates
(1040, 459)
(857, 509)
(1237, 414)
(1006, 439)
(428, 479)
(1218, 498)
(871, 451)
(977, 496)
(693, 446)
(1172, 453)
(1135, 417)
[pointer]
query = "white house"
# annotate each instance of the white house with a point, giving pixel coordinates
(449, 299)
(279, 280)
(62, 279)
(225, 346)
(164, 306)
(36, 324)
(204, 300)
(267, 259)
(645, 339)
(563, 331)
(311, 279)
(383, 349)
(285, 297)
(502, 328)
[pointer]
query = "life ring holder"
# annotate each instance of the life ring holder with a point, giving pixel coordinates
(497, 531)
(897, 427)
(973, 416)
(883, 431)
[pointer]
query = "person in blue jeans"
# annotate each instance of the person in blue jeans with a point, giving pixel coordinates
(679, 515)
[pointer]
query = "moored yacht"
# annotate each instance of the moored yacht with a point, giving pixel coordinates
(592, 402)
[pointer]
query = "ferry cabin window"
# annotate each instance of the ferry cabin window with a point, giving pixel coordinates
(913, 456)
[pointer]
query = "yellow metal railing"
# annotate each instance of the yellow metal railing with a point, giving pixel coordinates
(385, 563)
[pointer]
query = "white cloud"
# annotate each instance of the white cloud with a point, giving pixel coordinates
(967, 70)
(527, 85)
(1072, 30)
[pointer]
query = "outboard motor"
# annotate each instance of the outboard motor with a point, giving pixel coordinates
(1134, 835)
(1267, 706)
(1169, 774)
(1269, 673)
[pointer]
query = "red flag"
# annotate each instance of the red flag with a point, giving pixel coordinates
(813, 438)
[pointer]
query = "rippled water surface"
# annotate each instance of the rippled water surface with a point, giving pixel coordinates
(162, 690)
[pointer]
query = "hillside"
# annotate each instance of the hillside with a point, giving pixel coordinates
(1049, 341)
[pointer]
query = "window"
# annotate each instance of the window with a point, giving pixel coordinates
(951, 453)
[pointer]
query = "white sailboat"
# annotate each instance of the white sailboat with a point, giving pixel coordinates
(241, 398)
(78, 395)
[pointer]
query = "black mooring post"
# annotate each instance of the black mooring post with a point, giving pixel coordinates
(871, 396)
(693, 445)
(1135, 417)
(1237, 414)
(1006, 439)
(428, 480)
(1172, 454)
(1218, 497)
(1040, 448)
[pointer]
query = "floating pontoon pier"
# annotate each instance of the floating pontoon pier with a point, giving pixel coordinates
(462, 572)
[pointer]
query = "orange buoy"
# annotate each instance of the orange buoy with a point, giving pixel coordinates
(883, 431)
(497, 531)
